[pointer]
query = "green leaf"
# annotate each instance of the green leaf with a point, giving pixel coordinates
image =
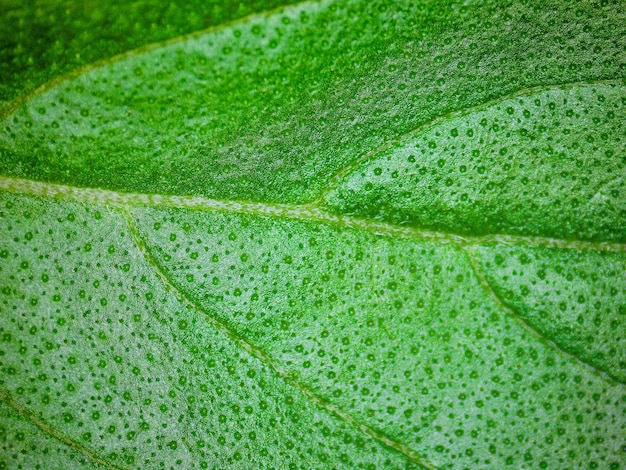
(329, 235)
(61, 36)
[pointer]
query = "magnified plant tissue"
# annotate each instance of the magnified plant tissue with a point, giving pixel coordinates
(360, 234)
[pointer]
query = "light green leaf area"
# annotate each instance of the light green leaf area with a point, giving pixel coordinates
(98, 348)
(332, 235)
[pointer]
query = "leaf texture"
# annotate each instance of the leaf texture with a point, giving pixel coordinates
(330, 235)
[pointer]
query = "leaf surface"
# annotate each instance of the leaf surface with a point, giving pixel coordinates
(333, 235)
(57, 37)
(270, 108)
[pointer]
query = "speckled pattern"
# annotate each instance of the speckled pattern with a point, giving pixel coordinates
(546, 162)
(269, 109)
(360, 235)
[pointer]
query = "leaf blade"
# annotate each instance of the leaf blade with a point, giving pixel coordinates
(225, 89)
(111, 335)
(438, 368)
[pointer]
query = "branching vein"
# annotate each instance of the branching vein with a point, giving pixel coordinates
(264, 357)
(306, 212)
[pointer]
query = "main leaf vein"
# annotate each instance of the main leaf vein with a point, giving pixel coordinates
(306, 212)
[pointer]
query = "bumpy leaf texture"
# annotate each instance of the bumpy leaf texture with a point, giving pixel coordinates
(333, 234)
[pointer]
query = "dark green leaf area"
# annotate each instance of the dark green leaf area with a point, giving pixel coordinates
(39, 42)
(268, 109)
(398, 332)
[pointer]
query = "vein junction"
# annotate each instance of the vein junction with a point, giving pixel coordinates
(263, 356)
(310, 213)
(305, 212)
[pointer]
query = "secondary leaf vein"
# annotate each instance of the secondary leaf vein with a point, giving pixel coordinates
(51, 431)
(352, 165)
(15, 104)
(529, 328)
(265, 358)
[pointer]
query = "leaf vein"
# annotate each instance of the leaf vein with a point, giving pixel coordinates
(287, 375)
(306, 212)
(55, 433)
(352, 165)
(510, 310)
